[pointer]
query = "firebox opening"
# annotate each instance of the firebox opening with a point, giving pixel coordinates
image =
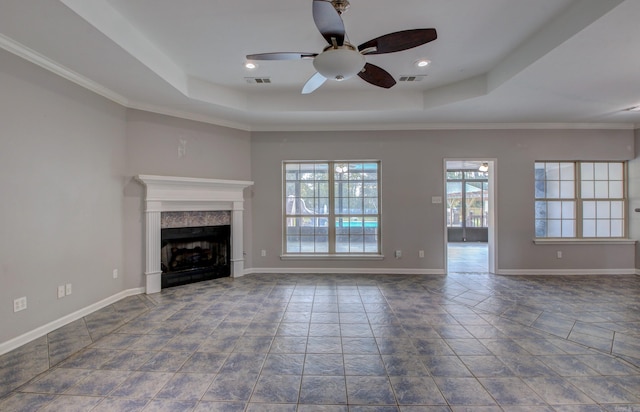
(194, 254)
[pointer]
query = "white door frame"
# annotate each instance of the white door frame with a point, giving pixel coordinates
(491, 216)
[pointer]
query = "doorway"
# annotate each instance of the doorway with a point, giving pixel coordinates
(469, 215)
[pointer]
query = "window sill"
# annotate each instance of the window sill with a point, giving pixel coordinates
(560, 241)
(331, 257)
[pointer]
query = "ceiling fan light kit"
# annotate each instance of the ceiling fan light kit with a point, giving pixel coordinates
(339, 63)
(341, 60)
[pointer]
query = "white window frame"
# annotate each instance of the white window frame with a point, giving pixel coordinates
(580, 199)
(327, 222)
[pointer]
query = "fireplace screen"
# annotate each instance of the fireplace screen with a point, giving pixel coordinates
(193, 254)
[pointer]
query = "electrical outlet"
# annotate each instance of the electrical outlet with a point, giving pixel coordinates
(182, 148)
(559, 254)
(421, 253)
(115, 273)
(263, 253)
(68, 289)
(61, 291)
(20, 304)
(398, 254)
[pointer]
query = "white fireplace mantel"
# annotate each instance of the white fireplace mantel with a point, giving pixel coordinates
(185, 194)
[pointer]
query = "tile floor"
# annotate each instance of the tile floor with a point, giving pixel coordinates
(462, 342)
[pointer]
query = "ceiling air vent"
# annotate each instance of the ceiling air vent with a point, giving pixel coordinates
(412, 78)
(258, 80)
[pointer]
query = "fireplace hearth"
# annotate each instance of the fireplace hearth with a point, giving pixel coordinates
(194, 254)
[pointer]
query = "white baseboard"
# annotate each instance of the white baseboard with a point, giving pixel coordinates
(356, 271)
(25, 338)
(565, 272)
(505, 272)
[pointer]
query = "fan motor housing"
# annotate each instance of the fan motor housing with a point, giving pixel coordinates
(340, 5)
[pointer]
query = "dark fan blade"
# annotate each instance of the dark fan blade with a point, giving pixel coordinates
(328, 21)
(313, 83)
(281, 56)
(377, 76)
(398, 41)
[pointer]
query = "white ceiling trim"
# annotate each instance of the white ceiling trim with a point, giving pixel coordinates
(254, 111)
(34, 57)
(101, 15)
(112, 24)
(445, 126)
(38, 59)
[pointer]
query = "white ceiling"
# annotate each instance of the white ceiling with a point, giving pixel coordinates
(496, 63)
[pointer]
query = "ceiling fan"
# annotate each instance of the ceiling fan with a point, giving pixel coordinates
(341, 60)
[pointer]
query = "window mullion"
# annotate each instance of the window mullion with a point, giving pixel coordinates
(332, 209)
(578, 199)
(625, 199)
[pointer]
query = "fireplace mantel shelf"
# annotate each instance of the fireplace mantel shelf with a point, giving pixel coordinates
(171, 194)
(195, 181)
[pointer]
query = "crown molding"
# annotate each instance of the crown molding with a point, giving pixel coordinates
(443, 126)
(38, 59)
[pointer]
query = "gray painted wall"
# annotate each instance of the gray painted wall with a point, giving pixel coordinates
(412, 172)
(634, 198)
(152, 148)
(71, 213)
(62, 151)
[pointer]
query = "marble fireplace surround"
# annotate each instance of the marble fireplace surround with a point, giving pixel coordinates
(189, 194)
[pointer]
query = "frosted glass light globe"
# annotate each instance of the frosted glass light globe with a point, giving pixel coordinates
(339, 64)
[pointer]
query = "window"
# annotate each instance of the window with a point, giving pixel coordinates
(332, 208)
(467, 199)
(579, 200)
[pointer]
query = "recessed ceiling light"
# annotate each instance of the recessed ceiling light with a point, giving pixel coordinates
(422, 63)
(251, 65)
